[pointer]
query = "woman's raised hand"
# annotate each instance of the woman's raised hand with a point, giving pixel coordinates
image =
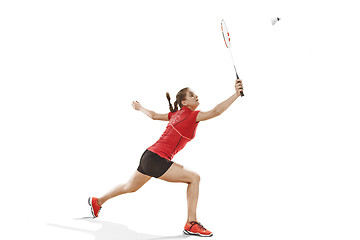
(238, 87)
(136, 105)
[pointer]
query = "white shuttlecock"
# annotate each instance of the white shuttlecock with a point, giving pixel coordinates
(274, 20)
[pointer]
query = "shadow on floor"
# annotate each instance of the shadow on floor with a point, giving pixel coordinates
(115, 231)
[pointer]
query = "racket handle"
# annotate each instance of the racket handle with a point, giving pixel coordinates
(241, 93)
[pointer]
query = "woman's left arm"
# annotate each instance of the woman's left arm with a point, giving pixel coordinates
(151, 114)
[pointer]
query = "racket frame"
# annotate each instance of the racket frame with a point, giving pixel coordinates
(226, 36)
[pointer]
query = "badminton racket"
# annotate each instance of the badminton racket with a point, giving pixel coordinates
(226, 35)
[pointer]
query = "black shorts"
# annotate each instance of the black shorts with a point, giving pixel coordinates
(153, 165)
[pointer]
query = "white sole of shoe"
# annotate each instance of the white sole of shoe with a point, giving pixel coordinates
(90, 203)
(196, 234)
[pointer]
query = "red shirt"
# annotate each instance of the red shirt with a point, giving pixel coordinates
(179, 131)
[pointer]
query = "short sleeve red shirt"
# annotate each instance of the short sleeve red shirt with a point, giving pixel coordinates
(180, 130)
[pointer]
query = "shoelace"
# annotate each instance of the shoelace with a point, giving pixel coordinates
(200, 225)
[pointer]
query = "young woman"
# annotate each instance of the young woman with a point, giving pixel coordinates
(157, 162)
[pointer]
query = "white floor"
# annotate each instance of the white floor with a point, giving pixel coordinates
(280, 163)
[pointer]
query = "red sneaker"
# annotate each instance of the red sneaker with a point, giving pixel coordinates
(95, 207)
(195, 228)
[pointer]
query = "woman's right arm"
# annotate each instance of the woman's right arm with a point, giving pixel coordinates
(151, 114)
(221, 107)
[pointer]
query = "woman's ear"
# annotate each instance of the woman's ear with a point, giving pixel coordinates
(183, 102)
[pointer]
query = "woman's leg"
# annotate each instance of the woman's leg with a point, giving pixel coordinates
(136, 181)
(177, 173)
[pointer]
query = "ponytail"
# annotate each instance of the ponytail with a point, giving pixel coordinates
(170, 106)
(175, 106)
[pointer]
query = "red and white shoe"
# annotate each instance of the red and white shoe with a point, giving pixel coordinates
(195, 228)
(95, 207)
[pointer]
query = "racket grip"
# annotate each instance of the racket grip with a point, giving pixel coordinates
(237, 77)
(241, 93)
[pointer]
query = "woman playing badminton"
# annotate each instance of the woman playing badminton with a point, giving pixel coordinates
(157, 162)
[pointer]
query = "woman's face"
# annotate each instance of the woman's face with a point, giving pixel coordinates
(191, 100)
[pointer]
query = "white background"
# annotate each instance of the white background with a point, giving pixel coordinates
(281, 163)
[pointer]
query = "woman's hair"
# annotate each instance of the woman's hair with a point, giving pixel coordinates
(180, 96)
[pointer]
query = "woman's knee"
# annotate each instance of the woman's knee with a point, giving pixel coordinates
(195, 178)
(130, 189)
(136, 182)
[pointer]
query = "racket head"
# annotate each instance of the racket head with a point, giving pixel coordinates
(225, 33)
